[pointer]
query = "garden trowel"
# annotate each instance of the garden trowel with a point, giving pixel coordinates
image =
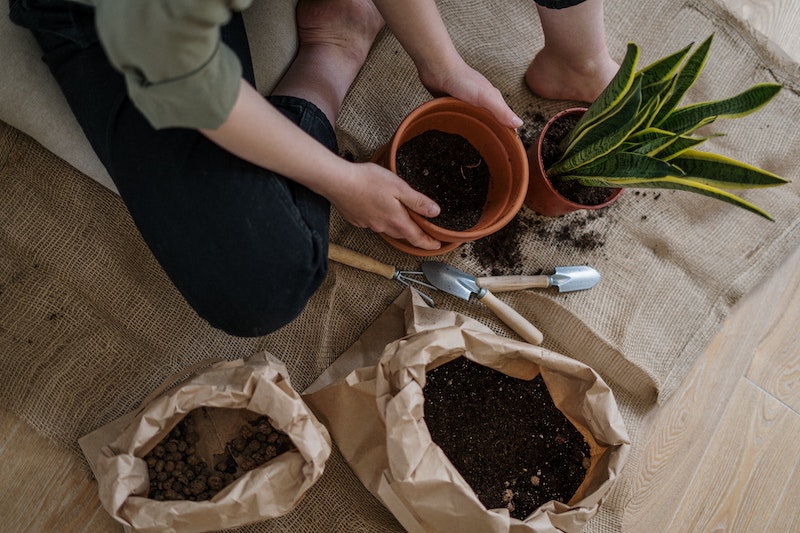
(567, 279)
(462, 285)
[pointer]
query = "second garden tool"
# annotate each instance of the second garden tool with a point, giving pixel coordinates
(567, 279)
(462, 285)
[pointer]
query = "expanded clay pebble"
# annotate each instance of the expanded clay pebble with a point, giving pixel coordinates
(178, 473)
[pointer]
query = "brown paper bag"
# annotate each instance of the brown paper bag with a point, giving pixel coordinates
(232, 392)
(375, 414)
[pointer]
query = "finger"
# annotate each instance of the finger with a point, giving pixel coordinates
(426, 243)
(511, 119)
(498, 107)
(418, 238)
(419, 203)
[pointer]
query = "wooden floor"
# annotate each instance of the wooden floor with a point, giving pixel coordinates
(723, 453)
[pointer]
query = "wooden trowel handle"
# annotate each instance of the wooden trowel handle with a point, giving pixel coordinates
(512, 319)
(513, 283)
(354, 259)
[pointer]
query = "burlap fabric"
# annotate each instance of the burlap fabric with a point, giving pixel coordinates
(89, 324)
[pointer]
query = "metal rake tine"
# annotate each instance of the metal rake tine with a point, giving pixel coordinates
(428, 299)
(404, 275)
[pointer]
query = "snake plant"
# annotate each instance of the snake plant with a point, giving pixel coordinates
(636, 135)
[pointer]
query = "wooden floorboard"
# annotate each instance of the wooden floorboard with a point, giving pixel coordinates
(743, 475)
(776, 364)
(683, 429)
(777, 19)
(785, 516)
(52, 490)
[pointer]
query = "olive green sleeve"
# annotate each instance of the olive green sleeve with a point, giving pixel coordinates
(177, 70)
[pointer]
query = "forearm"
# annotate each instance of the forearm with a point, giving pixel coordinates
(419, 28)
(366, 194)
(259, 133)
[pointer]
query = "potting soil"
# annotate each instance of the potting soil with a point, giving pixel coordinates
(505, 436)
(449, 170)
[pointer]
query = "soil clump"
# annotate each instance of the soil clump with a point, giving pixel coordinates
(501, 253)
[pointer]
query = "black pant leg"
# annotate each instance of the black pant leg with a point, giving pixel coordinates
(246, 248)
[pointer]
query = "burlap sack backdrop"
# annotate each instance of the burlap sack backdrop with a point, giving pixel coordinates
(375, 414)
(233, 391)
(89, 324)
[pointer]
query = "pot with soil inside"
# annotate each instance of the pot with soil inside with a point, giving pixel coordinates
(560, 197)
(461, 157)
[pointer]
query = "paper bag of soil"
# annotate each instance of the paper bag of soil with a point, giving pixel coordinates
(207, 421)
(376, 416)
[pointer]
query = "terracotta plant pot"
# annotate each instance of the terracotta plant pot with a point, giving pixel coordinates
(542, 197)
(498, 145)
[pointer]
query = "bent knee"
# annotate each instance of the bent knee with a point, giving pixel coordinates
(260, 306)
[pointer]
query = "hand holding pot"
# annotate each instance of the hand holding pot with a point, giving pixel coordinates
(422, 33)
(378, 199)
(468, 85)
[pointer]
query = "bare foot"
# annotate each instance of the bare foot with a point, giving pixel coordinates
(335, 37)
(554, 78)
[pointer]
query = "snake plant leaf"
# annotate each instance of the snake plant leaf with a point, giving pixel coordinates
(664, 68)
(720, 171)
(649, 134)
(646, 140)
(689, 184)
(605, 135)
(684, 80)
(658, 93)
(680, 146)
(611, 96)
(602, 172)
(689, 118)
(666, 146)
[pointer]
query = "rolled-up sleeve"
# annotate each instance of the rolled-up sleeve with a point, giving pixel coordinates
(178, 71)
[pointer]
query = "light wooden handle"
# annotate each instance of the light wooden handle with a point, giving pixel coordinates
(512, 319)
(513, 283)
(362, 262)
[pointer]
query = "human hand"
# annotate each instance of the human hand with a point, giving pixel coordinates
(418, 26)
(378, 199)
(467, 84)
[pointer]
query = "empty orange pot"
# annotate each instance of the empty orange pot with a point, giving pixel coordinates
(542, 197)
(499, 146)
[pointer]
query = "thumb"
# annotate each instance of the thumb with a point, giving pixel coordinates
(497, 106)
(504, 115)
(420, 204)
